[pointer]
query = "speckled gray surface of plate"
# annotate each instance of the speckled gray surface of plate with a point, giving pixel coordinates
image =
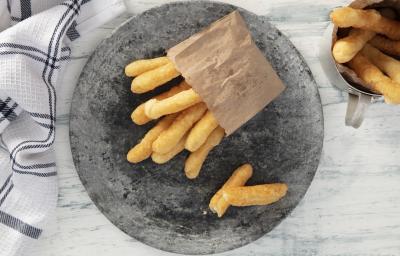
(157, 204)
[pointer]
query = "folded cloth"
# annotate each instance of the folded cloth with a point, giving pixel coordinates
(33, 51)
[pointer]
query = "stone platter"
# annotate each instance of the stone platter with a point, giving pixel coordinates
(157, 204)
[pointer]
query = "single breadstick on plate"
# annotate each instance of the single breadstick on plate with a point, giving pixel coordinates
(143, 150)
(238, 178)
(155, 108)
(196, 159)
(138, 67)
(386, 45)
(199, 133)
(151, 79)
(182, 123)
(254, 195)
(139, 116)
(346, 48)
(375, 79)
(385, 63)
(163, 158)
(366, 19)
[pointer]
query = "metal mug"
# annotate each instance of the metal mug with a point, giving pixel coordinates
(359, 99)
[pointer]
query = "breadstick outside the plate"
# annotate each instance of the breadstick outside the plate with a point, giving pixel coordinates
(139, 117)
(154, 78)
(375, 79)
(155, 108)
(163, 158)
(254, 195)
(143, 150)
(196, 159)
(200, 132)
(182, 123)
(385, 63)
(386, 45)
(346, 48)
(366, 19)
(238, 178)
(138, 67)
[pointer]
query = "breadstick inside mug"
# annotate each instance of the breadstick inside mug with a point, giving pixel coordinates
(238, 178)
(152, 79)
(386, 45)
(139, 117)
(375, 79)
(385, 63)
(346, 48)
(388, 13)
(366, 19)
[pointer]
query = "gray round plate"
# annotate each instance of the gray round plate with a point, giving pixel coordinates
(157, 204)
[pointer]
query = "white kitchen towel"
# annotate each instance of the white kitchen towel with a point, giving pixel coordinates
(34, 42)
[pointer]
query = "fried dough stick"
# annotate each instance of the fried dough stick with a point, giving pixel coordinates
(385, 63)
(196, 159)
(155, 108)
(366, 19)
(181, 125)
(238, 178)
(377, 81)
(139, 116)
(255, 195)
(143, 150)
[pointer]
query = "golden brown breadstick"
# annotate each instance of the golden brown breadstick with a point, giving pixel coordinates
(346, 48)
(163, 158)
(196, 159)
(151, 79)
(375, 79)
(182, 123)
(155, 108)
(386, 45)
(138, 67)
(238, 178)
(385, 63)
(200, 132)
(143, 150)
(255, 195)
(366, 19)
(139, 116)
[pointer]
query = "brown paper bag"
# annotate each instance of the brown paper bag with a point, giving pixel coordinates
(225, 67)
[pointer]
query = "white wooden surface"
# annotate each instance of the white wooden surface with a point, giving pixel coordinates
(351, 208)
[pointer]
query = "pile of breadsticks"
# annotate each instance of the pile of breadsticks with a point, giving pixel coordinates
(371, 48)
(185, 121)
(187, 124)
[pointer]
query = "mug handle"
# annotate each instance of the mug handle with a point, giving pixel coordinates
(356, 107)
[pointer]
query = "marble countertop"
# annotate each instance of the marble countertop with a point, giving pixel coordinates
(351, 208)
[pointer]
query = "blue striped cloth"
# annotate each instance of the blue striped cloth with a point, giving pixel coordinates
(33, 50)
